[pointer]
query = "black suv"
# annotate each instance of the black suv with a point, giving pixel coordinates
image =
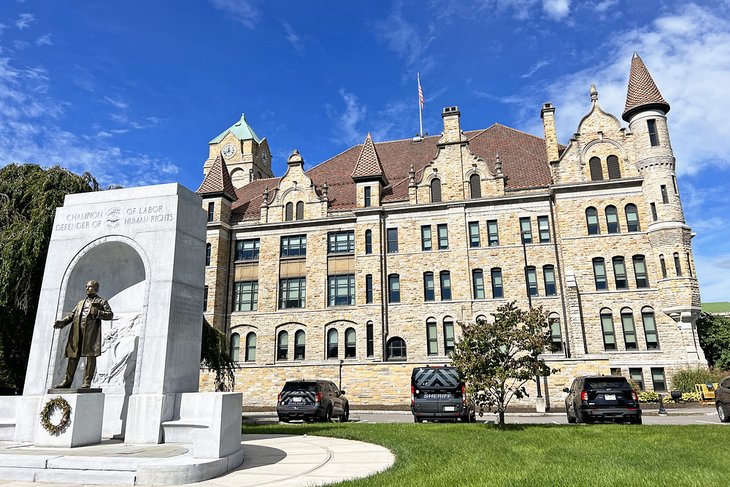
(602, 398)
(722, 400)
(312, 399)
(438, 393)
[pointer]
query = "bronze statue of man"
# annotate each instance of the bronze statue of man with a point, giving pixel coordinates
(84, 340)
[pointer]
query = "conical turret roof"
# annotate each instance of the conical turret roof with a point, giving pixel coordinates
(218, 181)
(642, 92)
(368, 164)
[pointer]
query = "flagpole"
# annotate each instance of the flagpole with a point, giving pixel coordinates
(420, 107)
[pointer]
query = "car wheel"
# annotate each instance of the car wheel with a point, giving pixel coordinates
(723, 413)
(328, 415)
(571, 419)
(345, 414)
(581, 418)
(416, 420)
(283, 419)
(635, 421)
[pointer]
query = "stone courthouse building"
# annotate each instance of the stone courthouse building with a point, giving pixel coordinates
(364, 266)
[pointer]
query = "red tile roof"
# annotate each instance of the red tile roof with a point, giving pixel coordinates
(218, 181)
(368, 164)
(523, 156)
(642, 91)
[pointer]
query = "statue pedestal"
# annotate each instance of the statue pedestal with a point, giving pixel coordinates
(84, 427)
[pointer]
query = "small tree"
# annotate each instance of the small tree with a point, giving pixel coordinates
(497, 359)
(714, 335)
(214, 355)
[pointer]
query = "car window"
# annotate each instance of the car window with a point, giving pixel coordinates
(606, 382)
(300, 386)
(725, 383)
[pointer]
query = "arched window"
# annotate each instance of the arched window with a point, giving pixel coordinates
(208, 251)
(289, 212)
(449, 342)
(300, 345)
(612, 219)
(663, 266)
(632, 218)
(609, 335)
(614, 169)
(480, 318)
(677, 265)
(599, 273)
(556, 336)
(627, 322)
(368, 241)
(650, 333)
(429, 293)
(395, 349)
(235, 346)
(251, 347)
(475, 186)
(435, 190)
(350, 343)
(619, 273)
(282, 346)
(548, 273)
(592, 221)
(642, 279)
(596, 169)
(497, 288)
(332, 342)
(432, 347)
(300, 210)
(477, 279)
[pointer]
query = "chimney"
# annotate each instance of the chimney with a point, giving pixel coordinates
(551, 138)
(452, 128)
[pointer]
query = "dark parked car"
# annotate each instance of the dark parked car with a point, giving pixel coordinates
(438, 393)
(312, 399)
(722, 400)
(602, 398)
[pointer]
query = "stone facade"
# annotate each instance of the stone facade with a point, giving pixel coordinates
(413, 243)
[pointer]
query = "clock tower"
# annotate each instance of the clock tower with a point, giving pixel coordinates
(246, 155)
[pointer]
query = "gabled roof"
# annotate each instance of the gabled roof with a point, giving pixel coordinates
(368, 163)
(218, 181)
(642, 92)
(241, 130)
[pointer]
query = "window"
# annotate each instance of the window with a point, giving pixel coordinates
(619, 273)
(282, 346)
(205, 298)
(341, 290)
(609, 337)
(637, 375)
(207, 254)
(493, 233)
(526, 230)
(429, 293)
(477, 278)
(650, 333)
(665, 196)
(663, 266)
(245, 295)
(497, 290)
(449, 341)
(368, 196)
(543, 227)
(474, 234)
(295, 246)
(251, 347)
(654, 216)
(596, 170)
(475, 186)
(689, 265)
(395, 349)
(300, 210)
(548, 273)
(370, 338)
(426, 243)
(531, 280)
(614, 170)
(300, 345)
(592, 221)
(211, 211)
(627, 322)
(368, 242)
(394, 288)
(235, 347)
(674, 184)
(640, 271)
(432, 346)
(289, 212)
(350, 343)
(436, 190)
(653, 136)
(341, 242)
(657, 378)
(443, 234)
(632, 218)
(392, 240)
(247, 249)
(292, 292)
(332, 343)
(445, 278)
(599, 274)
(677, 265)
(612, 219)
(556, 337)
(368, 288)
(616, 371)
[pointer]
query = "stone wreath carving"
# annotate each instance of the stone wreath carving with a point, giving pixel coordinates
(50, 406)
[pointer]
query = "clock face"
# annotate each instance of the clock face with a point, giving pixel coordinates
(263, 156)
(228, 150)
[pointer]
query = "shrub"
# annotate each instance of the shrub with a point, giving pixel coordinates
(691, 397)
(648, 396)
(685, 379)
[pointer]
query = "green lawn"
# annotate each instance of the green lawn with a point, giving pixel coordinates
(434, 455)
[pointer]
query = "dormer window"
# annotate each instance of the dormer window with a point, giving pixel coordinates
(435, 190)
(596, 169)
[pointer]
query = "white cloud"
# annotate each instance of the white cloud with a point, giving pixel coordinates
(540, 64)
(243, 11)
(116, 103)
(293, 38)
(604, 5)
(44, 40)
(24, 21)
(346, 131)
(19, 45)
(556, 9)
(407, 40)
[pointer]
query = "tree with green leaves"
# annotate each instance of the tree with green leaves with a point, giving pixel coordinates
(714, 333)
(498, 359)
(215, 356)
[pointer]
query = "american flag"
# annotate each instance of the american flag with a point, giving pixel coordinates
(421, 101)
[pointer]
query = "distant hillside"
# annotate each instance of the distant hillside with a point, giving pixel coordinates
(722, 307)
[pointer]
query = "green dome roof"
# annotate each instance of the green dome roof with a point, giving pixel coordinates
(241, 130)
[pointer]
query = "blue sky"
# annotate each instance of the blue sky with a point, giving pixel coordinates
(133, 91)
